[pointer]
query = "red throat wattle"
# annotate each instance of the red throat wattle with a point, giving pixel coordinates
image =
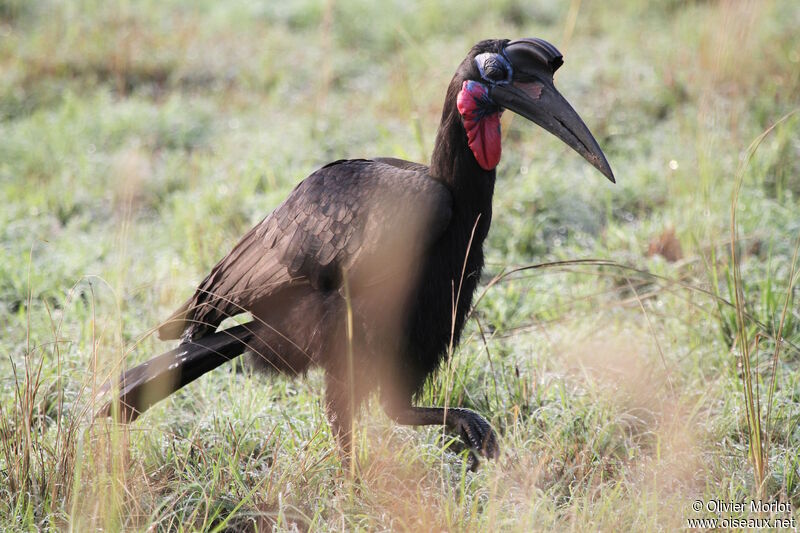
(481, 118)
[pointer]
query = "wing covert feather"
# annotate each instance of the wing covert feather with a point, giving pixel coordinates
(370, 219)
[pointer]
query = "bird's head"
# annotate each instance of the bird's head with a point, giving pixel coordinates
(518, 75)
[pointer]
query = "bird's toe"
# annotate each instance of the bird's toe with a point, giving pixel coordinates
(480, 437)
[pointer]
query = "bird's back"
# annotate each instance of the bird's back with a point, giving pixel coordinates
(367, 219)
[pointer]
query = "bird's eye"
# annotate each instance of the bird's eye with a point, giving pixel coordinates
(494, 68)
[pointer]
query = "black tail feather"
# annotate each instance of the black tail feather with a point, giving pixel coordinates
(150, 382)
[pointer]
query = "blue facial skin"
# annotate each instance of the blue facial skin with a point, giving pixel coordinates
(490, 65)
(484, 105)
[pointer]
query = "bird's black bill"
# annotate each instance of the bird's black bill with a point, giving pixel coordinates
(543, 104)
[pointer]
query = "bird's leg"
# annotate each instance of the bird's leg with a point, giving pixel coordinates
(474, 430)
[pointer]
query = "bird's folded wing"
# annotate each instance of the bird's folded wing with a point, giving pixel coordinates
(368, 219)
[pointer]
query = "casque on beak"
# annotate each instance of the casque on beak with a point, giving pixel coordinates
(534, 96)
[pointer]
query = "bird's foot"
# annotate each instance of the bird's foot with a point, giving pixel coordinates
(476, 433)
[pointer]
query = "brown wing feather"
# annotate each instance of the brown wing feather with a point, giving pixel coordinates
(369, 218)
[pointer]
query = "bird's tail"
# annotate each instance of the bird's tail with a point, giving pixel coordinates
(150, 382)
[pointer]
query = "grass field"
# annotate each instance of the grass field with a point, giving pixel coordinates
(139, 140)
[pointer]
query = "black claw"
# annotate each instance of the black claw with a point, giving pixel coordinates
(476, 433)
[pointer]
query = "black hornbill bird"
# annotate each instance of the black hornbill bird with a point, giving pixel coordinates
(369, 267)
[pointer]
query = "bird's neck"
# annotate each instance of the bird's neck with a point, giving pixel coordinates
(454, 164)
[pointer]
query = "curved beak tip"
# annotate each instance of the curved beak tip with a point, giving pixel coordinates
(597, 159)
(605, 168)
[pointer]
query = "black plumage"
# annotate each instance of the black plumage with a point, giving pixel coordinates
(376, 258)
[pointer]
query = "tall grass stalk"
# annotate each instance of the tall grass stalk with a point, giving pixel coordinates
(793, 276)
(749, 346)
(350, 375)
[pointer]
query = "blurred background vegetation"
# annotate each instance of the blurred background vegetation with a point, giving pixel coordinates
(140, 139)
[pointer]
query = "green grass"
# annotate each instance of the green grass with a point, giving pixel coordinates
(139, 140)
